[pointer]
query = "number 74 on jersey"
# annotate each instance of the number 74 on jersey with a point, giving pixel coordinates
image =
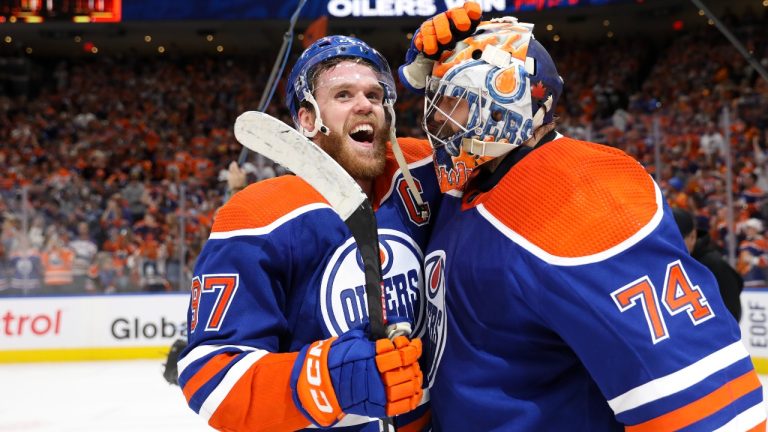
(678, 295)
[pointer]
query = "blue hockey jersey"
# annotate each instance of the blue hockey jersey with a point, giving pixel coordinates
(564, 299)
(280, 270)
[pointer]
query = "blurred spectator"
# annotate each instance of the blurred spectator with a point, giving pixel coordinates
(147, 226)
(85, 253)
(37, 232)
(134, 194)
(112, 216)
(704, 251)
(752, 196)
(753, 253)
(236, 178)
(108, 277)
(712, 143)
(58, 262)
(110, 139)
(25, 268)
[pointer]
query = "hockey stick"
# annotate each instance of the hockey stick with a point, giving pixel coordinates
(283, 144)
(277, 70)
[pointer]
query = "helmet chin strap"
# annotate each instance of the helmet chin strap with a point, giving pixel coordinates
(478, 147)
(538, 118)
(319, 126)
(398, 153)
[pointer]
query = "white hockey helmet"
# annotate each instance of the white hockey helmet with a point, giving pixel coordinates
(501, 85)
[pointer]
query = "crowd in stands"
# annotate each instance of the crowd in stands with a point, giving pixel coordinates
(113, 166)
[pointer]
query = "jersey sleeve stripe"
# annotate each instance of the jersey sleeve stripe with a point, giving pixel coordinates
(261, 399)
(213, 366)
(219, 235)
(679, 380)
(751, 420)
(204, 350)
(701, 408)
(417, 424)
(213, 400)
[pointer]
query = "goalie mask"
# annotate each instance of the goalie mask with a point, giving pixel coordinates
(300, 83)
(486, 97)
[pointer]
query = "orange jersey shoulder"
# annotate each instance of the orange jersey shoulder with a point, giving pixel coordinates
(414, 149)
(574, 199)
(264, 202)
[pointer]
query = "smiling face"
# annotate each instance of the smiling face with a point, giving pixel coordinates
(350, 99)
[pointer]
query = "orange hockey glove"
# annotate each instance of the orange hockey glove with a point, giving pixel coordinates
(442, 31)
(352, 375)
(435, 36)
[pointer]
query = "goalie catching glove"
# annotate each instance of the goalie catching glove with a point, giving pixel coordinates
(353, 375)
(433, 38)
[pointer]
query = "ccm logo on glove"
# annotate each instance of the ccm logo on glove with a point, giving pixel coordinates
(353, 375)
(315, 378)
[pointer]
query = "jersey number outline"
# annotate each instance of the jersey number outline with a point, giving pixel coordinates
(678, 295)
(225, 285)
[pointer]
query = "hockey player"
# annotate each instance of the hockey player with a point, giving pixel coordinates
(560, 293)
(277, 311)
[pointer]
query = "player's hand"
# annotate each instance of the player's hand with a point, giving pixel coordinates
(435, 36)
(353, 375)
(442, 31)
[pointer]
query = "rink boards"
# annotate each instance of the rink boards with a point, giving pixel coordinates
(754, 325)
(90, 327)
(119, 327)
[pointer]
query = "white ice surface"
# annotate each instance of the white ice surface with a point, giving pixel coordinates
(109, 396)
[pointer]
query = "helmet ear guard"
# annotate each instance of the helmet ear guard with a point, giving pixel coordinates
(300, 83)
(300, 89)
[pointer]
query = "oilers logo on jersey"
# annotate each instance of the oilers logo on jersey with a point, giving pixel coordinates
(434, 268)
(342, 293)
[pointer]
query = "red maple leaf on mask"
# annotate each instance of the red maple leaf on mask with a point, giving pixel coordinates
(538, 91)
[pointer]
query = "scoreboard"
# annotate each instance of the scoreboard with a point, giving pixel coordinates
(79, 11)
(95, 11)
